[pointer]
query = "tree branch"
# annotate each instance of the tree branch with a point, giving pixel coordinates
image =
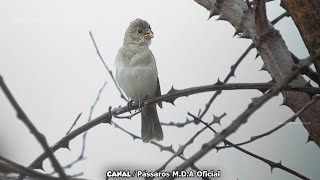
(107, 68)
(171, 95)
(40, 137)
(190, 141)
(270, 163)
(274, 53)
(243, 117)
(291, 119)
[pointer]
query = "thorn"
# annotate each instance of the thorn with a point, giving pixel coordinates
(232, 67)
(134, 138)
(199, 112)
(245, 35)
(65, 145)
(309, 83)
(219, 82)
(221, 17)
(181, 149)
(263, 90)
(272, 81)
(238, 32)
(213, 12)
(309, 139)
(285, 101)
(218, 149)
(257, 55)
(196, 120)
(110, 114)
(232, 71)
(264, 67)
(271, 168)
(216, 120)
(170, 148)
(171, 100)
(172, 90)
(38, 166)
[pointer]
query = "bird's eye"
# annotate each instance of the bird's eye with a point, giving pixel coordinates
(149, 27)
(140, 31)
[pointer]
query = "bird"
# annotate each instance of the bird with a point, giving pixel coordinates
(137, 76)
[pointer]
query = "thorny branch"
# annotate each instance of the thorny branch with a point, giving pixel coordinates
(190, 141)
(270, 163)
(235, 66)
(74, 122)
(107, 68)
(243, 117)
(12, 167)
(40, 137)
(291, 119)
(169, 97)
(160, 146)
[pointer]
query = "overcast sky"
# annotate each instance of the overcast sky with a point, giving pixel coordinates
(49, 63)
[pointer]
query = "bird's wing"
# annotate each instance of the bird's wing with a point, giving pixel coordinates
(158, 92)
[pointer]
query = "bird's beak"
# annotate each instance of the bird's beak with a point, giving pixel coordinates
(149, 34)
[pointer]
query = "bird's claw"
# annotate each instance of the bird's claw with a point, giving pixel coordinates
(129, 106)
(141, 104)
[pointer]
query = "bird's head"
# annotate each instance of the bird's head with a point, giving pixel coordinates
(139, 31)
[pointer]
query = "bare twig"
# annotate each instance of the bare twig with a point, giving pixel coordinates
(12, 167)
(226, 79)
(40, 137)
(74, 122)
(235, 66)
(160, 146)
(291, 119)
(81, 155)
(107, 68)
(183, 147)
(270, 163)
(178, 124)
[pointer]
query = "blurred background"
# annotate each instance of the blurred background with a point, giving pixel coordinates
(50, 64)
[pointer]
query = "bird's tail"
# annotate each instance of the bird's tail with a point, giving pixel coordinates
(151, 128)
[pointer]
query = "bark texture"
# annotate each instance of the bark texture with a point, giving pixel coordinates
(306, 16)
(273, 51)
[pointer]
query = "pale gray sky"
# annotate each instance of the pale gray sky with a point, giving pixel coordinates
(49, 62)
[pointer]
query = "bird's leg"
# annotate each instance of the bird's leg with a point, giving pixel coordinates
(140, 105)
(144, 102)
(129, 106)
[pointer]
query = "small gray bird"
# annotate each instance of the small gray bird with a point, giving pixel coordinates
(136, 74)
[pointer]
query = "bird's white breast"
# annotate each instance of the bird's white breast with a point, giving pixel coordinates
(136, 72)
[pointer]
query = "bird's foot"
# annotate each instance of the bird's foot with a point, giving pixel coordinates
(129, 106)
(141, 104)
